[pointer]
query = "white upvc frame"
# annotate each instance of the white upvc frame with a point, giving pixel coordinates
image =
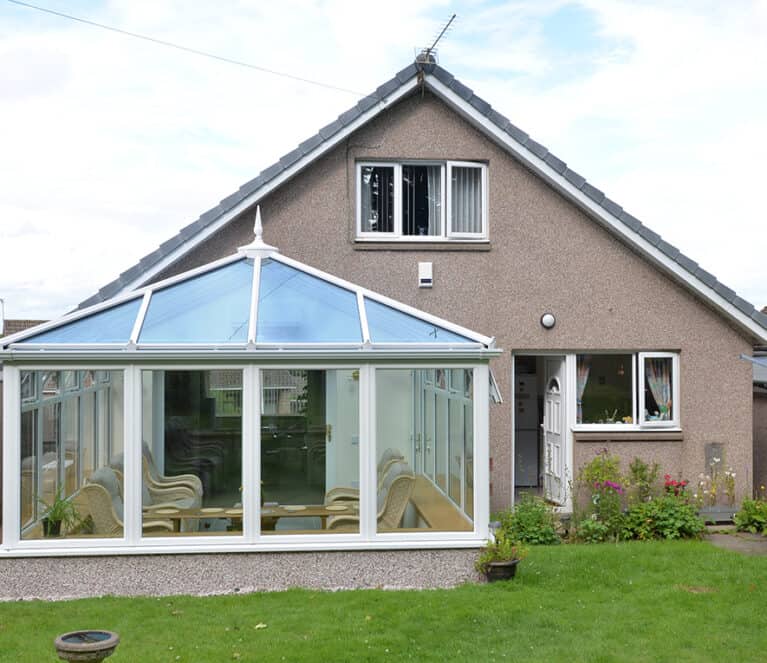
(614, 426)
(251, 540)
(445, 233)
(451, 234)
(675, 419)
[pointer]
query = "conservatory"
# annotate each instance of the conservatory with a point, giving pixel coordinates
(254, 403)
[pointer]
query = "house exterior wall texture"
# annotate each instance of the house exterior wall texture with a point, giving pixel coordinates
(544, 255)
(760, 441)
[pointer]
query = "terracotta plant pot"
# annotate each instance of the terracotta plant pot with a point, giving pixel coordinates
(501, 570)
(89, 645)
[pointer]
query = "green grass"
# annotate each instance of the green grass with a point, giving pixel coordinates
(676, 602)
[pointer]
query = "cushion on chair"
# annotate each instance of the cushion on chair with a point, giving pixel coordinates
(107, 479)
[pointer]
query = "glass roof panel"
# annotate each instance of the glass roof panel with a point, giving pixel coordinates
(387, 325)
(112, 325)
(296, 307)
(213, 307)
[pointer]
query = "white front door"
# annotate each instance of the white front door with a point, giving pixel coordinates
(553, 430)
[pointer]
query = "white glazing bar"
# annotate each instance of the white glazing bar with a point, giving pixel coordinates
(11, 456)
(368, 454)
(251, 466)
(140, 317)
(481, 450)
(253, 320)
(132, 517)
(363, 317)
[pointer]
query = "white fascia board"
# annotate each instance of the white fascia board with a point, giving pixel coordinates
(272, 184)
(541, 168)
(116, 300)
(392, 303)
(243, 356)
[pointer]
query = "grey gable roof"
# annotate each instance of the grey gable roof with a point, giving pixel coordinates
(481, 106)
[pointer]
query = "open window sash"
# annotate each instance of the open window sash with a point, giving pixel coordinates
(659, 372)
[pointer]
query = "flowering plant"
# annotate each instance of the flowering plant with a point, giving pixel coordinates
(674, 487)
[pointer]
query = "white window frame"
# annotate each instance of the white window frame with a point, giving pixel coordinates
(674, 421)
(637, 393)
(446, 233)
(251, 539)
(448, 207)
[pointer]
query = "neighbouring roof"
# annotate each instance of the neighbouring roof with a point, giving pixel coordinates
(15, 326)
(254, 300)
(481, 114)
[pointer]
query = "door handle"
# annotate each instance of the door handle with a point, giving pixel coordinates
(328, 433)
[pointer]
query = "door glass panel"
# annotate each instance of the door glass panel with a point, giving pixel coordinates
(192, 453)
(411, 497)
(310, 451)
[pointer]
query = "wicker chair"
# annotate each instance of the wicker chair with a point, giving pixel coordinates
(153, 476)
(393, 497)
(155, 495)
(101, 499)
(344, 494)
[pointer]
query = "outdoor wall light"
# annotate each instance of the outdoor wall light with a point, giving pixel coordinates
(548, 320)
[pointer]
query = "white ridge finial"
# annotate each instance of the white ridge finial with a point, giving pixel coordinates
(258, 248)
(258, 228)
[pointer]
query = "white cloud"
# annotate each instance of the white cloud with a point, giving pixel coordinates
(111, 144)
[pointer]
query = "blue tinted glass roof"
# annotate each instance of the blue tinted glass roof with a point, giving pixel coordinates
(112, 325)
(387, 325)
(296, 307)
(213, 307)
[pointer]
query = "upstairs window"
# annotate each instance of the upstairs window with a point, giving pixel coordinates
(422, 201)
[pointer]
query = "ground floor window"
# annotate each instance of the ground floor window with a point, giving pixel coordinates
(640, 388)
(246, 453)
(71, 425)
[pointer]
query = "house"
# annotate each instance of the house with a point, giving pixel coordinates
(760, 417)
(417, 216)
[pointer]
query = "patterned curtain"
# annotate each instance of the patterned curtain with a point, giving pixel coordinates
(583, 370)
(658, 375)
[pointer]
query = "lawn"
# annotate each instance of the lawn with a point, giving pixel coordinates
(676, 602)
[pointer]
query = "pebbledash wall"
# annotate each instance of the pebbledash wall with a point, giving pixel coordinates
(543, 255)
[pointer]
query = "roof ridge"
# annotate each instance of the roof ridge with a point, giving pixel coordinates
(447, 79)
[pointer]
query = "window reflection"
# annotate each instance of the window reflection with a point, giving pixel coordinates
(310, 451)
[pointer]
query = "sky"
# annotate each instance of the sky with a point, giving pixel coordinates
(109, 144)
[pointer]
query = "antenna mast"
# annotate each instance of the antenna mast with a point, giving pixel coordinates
(427, 54)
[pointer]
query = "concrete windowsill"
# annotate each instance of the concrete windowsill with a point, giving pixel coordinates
(361, 245)
(629, 436)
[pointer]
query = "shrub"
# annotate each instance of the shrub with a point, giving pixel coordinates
(667, 517)
(531, 521)
(603, 467)
(643, 476)
(752, 517)
(591, 530)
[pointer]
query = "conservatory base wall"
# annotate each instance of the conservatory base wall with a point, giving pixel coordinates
(167, 575)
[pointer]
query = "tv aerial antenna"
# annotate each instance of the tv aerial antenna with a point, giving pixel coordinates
(428, 55)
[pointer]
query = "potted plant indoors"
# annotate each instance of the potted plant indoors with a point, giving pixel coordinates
(498, 560)
(60, 512)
